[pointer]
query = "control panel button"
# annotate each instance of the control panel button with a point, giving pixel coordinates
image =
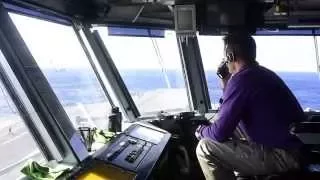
(132, 141)
(109, 155)
(130, 159)
(134, 155)
(112, 155)
(122, 143)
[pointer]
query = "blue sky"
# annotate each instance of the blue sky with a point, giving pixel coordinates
(55, 45)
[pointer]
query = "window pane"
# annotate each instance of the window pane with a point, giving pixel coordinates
(211, 48)
(61, 58)
(16, 143)
(291, 57)
(151, 69)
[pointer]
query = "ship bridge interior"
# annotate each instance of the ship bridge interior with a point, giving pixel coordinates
(115, 89)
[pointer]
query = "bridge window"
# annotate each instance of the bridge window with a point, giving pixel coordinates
(16, 143)
(293, 58)
(151, 69)
(211, 48)
(61, 58)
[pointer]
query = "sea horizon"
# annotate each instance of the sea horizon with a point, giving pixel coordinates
(79, 85)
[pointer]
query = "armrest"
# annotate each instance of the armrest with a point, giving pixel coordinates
(314, 118)
(307, 132)
(306, 127)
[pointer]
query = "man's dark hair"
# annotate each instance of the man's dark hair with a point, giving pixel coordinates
(242, 45)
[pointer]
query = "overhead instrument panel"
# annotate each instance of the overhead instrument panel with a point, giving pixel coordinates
(219, 17)
(134, 154)
(212, 17)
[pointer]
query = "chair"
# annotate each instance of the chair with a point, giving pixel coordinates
(309, 133)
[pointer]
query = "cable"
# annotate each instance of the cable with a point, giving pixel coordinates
(156, 48)
(138, 14)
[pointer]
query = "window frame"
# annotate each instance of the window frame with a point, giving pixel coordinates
(111, 73)
(38, 92)
(64, 51)
(33, 124)
(194, 74)
(153, 113)
(27, 115)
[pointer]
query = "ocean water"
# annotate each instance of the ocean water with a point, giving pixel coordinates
(305, 86)
(77, 85)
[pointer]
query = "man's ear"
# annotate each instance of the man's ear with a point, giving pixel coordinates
(230, 57)
(230, 54)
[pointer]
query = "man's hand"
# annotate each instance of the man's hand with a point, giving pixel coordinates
(198, 132)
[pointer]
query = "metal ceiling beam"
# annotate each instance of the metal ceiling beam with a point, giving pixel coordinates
(194, 73)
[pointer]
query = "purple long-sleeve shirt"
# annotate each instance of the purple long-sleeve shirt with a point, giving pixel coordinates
(259, 101)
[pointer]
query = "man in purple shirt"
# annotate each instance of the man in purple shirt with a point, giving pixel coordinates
(258, 102)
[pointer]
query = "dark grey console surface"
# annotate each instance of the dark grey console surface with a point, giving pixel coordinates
(307, 132)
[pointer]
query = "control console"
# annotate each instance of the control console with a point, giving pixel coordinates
(136, 151)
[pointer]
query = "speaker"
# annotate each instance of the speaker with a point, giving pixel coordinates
(185, 19)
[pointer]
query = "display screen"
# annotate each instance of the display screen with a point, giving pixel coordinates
(101, 171)
(147, 134)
